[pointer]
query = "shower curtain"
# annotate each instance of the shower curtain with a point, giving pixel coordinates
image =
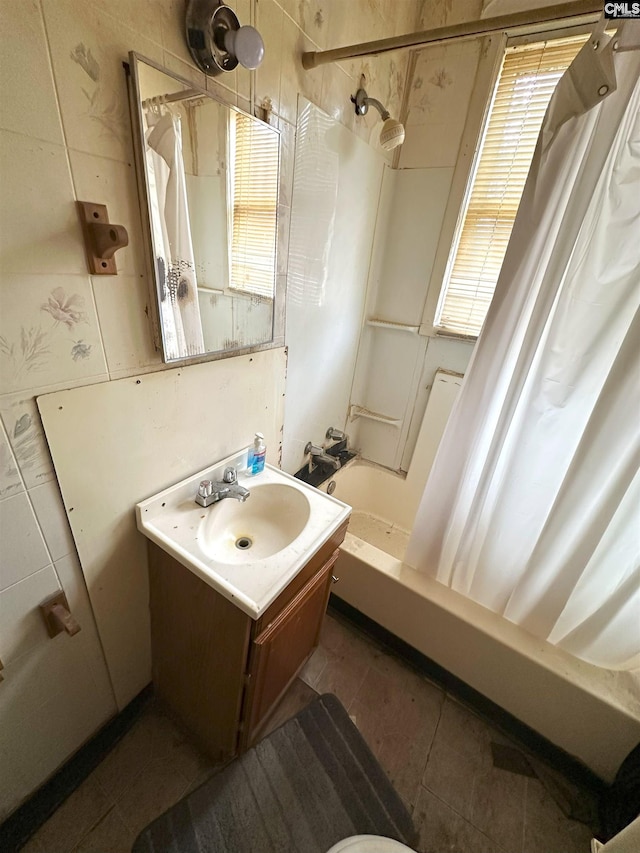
(174, 258)
(532, 507)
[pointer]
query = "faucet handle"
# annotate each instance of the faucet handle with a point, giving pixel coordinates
(205, 488)
(335, 434)
(230, 476)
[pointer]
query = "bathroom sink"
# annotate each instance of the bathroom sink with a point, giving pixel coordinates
(248, 551)
(273, 517)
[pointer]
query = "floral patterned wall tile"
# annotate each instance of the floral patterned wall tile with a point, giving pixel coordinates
(335, 99)
(366, 20)
(48, 332)
(439, 96)
(123, 312)
(23, 550)
(442, 82)
(21, 625)
(441, 13)
(10, 480)
(28, 100)
(102, 180)
(244, 9)
(88, 47)
(143, 16)
(310, 16)
(22, 423)
(270, 21)
(293, 78)
(171, 14)
(187, 70)
(39, 225)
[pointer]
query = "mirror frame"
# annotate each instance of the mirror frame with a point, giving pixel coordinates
(135, 109)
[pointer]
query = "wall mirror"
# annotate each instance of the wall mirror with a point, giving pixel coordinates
(208, 175)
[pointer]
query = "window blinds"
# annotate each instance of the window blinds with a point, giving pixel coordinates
(528, 77)
(254, 186)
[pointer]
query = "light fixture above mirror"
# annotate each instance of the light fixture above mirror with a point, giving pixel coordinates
(216, 40)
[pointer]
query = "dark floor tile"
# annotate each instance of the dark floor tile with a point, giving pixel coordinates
(450, 775)
(312, 670)
(546, 829)
(349, 658)
(111, 835)
(509, 758)
(460, 729)
(498, 807)
(75, 817)
(442, 830)
(148, 794)
(574, 802)
(295, 699)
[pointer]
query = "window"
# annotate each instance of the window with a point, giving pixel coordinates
(528, 77)
(254, 192)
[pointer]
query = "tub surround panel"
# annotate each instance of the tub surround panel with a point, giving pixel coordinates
(441, 353)
(394, 370)
(337, 180)
(152, 432)
(395, 497)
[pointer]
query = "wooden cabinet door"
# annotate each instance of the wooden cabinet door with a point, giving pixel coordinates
(279, 652)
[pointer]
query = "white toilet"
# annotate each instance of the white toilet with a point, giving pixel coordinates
(369, 844)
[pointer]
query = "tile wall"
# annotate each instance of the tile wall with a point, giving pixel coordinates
(65, 135)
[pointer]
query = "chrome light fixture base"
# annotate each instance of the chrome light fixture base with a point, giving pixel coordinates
(212, 32)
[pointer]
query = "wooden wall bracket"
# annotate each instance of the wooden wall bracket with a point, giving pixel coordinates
(57, 616)
(101, 238)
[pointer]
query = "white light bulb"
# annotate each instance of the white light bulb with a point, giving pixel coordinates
(246, 45)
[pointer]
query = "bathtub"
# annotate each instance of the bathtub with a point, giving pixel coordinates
(590, 712)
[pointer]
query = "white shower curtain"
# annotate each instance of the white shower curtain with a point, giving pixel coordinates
(174, 258)
(532, 507)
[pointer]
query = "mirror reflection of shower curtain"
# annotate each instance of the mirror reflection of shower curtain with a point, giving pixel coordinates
(172, 242)
(531, 507)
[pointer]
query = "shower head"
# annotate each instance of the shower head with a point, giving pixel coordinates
(392, 133)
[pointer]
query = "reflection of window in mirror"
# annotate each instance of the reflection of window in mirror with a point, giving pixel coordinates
(253, 189)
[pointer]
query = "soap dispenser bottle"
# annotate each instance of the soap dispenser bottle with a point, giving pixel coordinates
(259, 454)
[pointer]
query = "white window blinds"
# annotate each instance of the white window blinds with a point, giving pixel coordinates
(528, 77)
(254, 187)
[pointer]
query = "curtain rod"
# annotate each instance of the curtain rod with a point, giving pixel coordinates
(558, 12)
(185, 95)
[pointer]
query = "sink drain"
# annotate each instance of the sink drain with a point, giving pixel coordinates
(243, 543)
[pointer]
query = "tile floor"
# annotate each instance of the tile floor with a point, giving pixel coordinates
(436, 752)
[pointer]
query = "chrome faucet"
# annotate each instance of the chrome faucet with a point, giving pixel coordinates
(334, 434)
(210, 492)
(318, 454)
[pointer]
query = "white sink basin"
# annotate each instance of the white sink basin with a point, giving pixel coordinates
(248, 551)
(269, 520)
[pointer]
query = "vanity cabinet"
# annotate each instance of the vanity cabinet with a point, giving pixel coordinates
(220, 672)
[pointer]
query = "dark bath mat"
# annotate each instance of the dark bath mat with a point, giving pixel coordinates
(306, 786)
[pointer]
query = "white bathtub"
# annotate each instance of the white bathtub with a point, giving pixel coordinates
(591, 713)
